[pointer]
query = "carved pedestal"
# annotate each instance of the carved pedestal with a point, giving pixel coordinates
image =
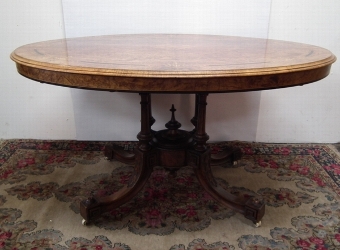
(173, 148)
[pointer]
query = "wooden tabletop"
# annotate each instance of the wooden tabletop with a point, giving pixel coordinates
(173, 63)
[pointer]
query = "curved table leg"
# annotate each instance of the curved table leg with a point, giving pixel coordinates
(197, 155)
(200, 159)
(95, 206)
(253, 208)
(145, 159)
(228, 157)
(113, 151)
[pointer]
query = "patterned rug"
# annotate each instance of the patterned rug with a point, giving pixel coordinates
(42, 183)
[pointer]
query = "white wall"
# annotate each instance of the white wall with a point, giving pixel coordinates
(310, 113)
(115, 116)
(29, 109)
(33, 110)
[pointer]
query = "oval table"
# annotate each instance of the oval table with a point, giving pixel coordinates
(160, 63)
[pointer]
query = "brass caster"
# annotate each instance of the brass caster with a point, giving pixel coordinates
(235, 163)
(84, 222)
(258, 224)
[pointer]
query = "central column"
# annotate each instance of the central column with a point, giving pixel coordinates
(172, 144)
(200, 136)
(145, 135)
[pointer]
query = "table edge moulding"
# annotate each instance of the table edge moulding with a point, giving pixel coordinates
(170, 63)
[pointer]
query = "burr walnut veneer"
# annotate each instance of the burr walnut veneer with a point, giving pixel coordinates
(193, 64)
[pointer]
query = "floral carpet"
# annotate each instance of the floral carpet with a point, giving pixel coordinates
(42, 183)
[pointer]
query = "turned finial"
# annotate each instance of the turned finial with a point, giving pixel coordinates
(173, 125)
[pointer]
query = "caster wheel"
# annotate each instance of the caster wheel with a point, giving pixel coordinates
(84, 222)
(258, 224)
(235, 163)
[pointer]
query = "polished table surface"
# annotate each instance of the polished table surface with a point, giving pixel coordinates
(199, 64)
(173, 63)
